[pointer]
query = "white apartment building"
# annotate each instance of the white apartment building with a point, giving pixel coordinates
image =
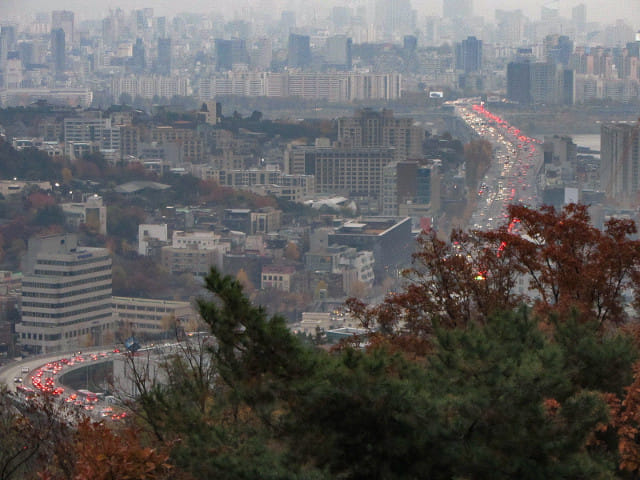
(66, 295)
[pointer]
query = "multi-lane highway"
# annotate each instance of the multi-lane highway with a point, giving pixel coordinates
(512, 176)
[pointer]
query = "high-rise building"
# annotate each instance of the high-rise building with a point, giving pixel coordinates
(299, 51)
(579, 17)
(544, 84)
(230, 52)
(9, 33)
(262, 54)
(163, 66)
(58, 50)
(369, 128)
(510, 25)
(66, 295)
(339, 52)
(63, 19)
(394, 17)
(558, 49)
(455, 9)
(519, 82)
(138, 58)
(410, 183)
(469, 55)
(620, 162)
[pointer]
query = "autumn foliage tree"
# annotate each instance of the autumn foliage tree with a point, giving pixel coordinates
(563, 262)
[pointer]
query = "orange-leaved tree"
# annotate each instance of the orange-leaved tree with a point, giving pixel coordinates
(556, 261)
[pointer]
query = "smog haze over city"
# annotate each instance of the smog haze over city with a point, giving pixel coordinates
(289, 239)
(599, 10)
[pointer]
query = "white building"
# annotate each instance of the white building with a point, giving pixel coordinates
(145, 316)
(66, 295)
(148, 232)
(196, 240)
(92, 212)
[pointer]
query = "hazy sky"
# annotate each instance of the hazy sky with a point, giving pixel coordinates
(597, 10)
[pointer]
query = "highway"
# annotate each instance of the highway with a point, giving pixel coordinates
(512, 175)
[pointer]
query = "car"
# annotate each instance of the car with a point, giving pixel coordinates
(17, 380)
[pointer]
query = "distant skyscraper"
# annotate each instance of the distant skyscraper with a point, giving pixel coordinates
(63, 19)
(299, 51)
(469, 55)
(160, 24)
(620, 162)
(409, 44)
(230, 52)
(58, 50)
(510, 25)
(163, 66)
(340, 16)
(519, 82)
(394, 17)
(262, 54)
(544, 83)
(579, 17)
(558, 49)
(288, 20)
(10, 34)
(139, 60)
(457, 9)
(339, 52)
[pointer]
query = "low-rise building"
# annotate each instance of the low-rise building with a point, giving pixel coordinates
(277, 277)
(92, 212)
(151, 317)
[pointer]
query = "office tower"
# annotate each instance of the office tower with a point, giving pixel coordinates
(299, 51)
(230, 53)
(63, 19)
(409, 43)
(163, 66)
(369, 128)
(519, 82)
(160, 26)
(25, 50)
(543, 83)
(567, 87)
(66, 295)
(549, 14)
(469, 55)
(339, 52)
(455, 9)
(432, 31)
(510, 25)
(579, 17)
(262, 54)
(394, 17)
(224, 57)
(620, 162)
(340, 17)
(58, 50)
(10, 35)
(138, 59)
(407, 184)
(287, 20)
(558, 49)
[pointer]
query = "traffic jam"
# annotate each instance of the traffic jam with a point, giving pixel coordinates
(511, 177)
(43, 381)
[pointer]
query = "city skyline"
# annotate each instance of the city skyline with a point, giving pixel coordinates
(19, 9)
